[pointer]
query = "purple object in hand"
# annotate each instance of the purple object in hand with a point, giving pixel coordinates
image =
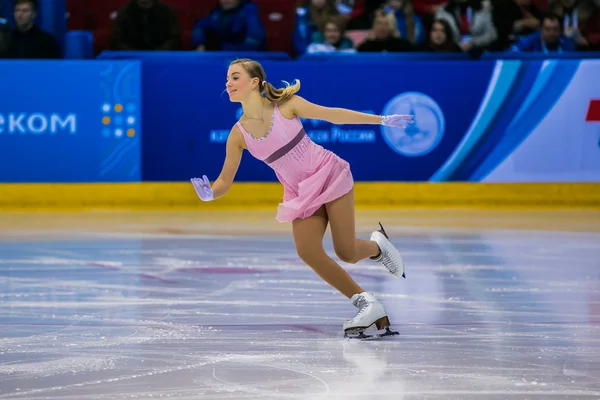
(397, 120)
(202, 187)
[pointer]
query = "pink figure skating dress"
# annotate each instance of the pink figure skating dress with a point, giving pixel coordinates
(311, 175)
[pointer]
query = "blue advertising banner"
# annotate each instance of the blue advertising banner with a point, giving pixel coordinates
(529, 120)
(70, 121)
(492, 120)
(186, 137)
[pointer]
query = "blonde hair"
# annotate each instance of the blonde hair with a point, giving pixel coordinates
(392, 24)
(273, 94)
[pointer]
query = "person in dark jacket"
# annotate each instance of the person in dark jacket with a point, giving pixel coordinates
(233, 26)
(549, 39)
(27, 40)
(514, 19)
(146, 25)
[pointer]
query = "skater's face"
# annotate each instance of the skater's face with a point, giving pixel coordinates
(239, 84)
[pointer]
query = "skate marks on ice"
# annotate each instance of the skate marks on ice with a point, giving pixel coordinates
(482, 315)
(266, 364)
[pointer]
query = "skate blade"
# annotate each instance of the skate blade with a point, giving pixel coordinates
(382, 324)
(383, 231)
(388, 238)
(361, 335)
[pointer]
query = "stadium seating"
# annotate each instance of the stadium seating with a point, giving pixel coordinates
(98, 18)
(279, 19)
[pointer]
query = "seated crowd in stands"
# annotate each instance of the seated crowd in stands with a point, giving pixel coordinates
(324, 26)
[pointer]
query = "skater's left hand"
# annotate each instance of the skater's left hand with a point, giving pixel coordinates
(397, 120)
(203, 189)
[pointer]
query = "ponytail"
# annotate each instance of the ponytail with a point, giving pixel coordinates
(282, 94)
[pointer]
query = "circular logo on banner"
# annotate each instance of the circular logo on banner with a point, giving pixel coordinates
(424, 134)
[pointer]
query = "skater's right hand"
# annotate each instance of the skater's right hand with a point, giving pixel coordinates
(397, 120)
(202, 187)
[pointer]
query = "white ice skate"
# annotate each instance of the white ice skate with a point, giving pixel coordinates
(370, 311)
(388, 255)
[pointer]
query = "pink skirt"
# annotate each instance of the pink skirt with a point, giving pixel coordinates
(329, 182)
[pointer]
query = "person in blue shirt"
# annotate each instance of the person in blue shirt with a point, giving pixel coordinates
(549, 39)
(233, 26)
(310, 22)
(409, 23)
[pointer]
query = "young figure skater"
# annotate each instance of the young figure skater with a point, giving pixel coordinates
(318, 185)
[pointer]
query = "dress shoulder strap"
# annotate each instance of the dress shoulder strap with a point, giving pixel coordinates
(239, 125)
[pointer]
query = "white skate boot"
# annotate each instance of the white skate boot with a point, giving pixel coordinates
(370, 311)
(388, 255)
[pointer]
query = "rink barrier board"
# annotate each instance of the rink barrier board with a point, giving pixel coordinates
(164, 195)
(165, 118)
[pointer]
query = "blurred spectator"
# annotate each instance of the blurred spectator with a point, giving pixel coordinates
(233, 26)
(27, 40)
(515, 18)
(384, 36)
(427, 10)
(471, 23)
(580, 21)
(333, 39)
(549, 39)
(409, 24)
(355, 13)
(440, 38)
(310, 20)
(345, 7)
(352, 13)
(146, 25)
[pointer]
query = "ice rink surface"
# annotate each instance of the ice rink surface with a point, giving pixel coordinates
(217, 305)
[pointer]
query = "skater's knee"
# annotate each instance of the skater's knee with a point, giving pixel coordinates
(348, 255)
(310, 253)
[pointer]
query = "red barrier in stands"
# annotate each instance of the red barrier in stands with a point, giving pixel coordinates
(279, 19)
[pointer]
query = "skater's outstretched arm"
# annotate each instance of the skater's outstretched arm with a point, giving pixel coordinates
(305, 109)
(233, 155)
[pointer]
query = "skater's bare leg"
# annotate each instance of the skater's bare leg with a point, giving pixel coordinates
(343, 231)
(308, 237)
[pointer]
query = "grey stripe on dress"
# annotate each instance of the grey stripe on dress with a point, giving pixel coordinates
(286, 148)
